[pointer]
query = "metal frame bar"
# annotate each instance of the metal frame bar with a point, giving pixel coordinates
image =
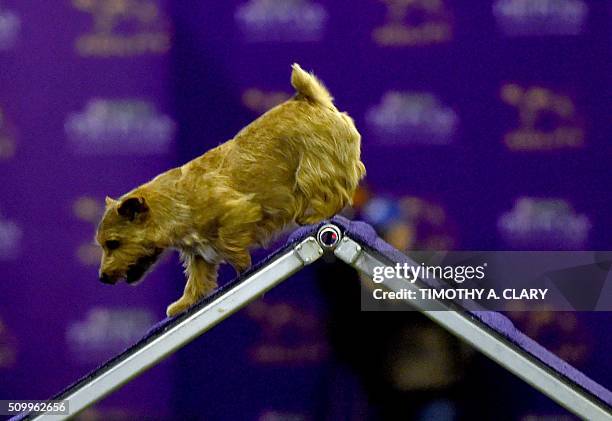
(177, 336)
(483, 338)
(460, 323)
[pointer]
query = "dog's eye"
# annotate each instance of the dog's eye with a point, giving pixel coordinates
(112, 244)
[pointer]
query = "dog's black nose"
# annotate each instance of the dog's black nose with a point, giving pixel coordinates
(106, 279)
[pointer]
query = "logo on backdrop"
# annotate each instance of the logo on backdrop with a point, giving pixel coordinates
(540, 17)
(10, 24)
(544, 223)
(560, 332)
(260, 101)
(8, 347)
(290, 335)
(123, 28)
(11, 238)
(89, 210)
(7, 137)
(547, 120)
(281, 20)
(414, 22)
(106, 331)
(119, 127)
(404, 118)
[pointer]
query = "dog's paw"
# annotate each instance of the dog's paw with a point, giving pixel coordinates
(177, 307)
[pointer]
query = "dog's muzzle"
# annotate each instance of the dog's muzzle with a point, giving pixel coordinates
(107, 279)
(137, 270)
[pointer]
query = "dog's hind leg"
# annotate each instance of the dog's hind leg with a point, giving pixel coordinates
(201, 279)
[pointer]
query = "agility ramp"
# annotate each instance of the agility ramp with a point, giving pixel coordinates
(356, 244)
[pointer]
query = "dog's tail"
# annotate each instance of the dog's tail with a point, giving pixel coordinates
(309, 87)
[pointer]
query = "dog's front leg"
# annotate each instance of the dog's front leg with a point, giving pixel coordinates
(201, 279)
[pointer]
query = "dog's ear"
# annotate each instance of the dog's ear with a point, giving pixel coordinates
(109, 201)
(133, 207)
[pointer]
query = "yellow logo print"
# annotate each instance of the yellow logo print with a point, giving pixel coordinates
(414, 22)
(8, 347)
(288, 335)
(89, 210)
(123, 28)
(546, 120)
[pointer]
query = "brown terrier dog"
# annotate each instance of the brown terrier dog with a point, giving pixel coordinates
(298, 162)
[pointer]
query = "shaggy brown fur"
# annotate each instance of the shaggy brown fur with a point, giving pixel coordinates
(299, 162)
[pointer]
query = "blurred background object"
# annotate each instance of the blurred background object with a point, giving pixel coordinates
(486, 126)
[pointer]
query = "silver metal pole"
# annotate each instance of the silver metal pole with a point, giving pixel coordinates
(348, 250)
(177, 336)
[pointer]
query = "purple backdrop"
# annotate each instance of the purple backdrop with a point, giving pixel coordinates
(486, 125)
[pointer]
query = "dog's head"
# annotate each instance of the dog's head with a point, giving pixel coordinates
(128, 240)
